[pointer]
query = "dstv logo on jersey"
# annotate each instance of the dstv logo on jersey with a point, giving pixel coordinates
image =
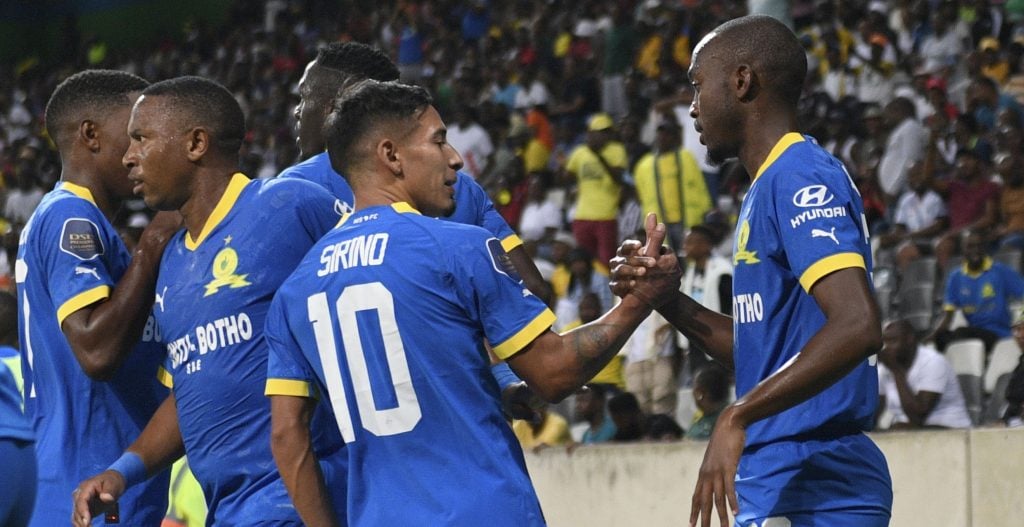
(813, 196)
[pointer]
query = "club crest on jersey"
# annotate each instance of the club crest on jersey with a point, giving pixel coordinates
(81, 238)
(741, 254)
(501, 261)
(224, 265)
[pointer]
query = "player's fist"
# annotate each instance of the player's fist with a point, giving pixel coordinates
(94, 496)
(659, 283)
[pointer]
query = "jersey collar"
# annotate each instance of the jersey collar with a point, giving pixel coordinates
(787, 141)
(986, 264)
(400, 207)
(227, 201)
(78, 190)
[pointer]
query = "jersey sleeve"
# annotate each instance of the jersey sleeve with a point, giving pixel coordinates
(288, 373)
(1014, 283)
(315, 209)
(819, 224)
(950, 299)
(77, 251)
(491, 291)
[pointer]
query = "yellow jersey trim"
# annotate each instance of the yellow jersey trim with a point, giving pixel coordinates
(948, 307)
(787, 141)
(403, 207)
(101, 292)
(165, 377)
(227, 201)
(288, 387)
(827, 265)
(78, 190)
(986, 264)
(531, 331)
(511, 242)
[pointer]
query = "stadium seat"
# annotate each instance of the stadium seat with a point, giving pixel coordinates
(1004, 359)
(920, 272)
(1009, 257)
(968, 360)
(915, 303)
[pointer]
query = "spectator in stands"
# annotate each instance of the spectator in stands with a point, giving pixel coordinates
(711, 394)
(670, 184)
(916, 384)
(984, 100)
(1013, 416)
(589, 310)
(471, 140)
(629, 419)
(920, 218)
(661, 427)
(597, 167)
(982, 290)
(973, 199)
(904, 146)
(708, 280)
(541, 217)
(547, 428)
(585, 276)
(1010, 231)
(590, 407)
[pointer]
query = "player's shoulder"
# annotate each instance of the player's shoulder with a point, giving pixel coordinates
(807, 167)
(289, 191)
(308, 168)
(62, 211)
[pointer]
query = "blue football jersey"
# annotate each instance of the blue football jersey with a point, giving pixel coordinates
(801, 220)
(386, 318)
(213, 293)
(13, 423)
(472, 204)
(70, 257)
(985, 296)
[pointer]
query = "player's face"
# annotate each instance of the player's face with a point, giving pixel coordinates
(114, 131)
(429, 164)
(712, 106)
(159, 168)
(309, 116)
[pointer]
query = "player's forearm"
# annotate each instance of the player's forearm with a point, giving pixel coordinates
(555, 365)
(708, 330)
(160, 443)
(528, 271)
(850, 335)
(292, 447)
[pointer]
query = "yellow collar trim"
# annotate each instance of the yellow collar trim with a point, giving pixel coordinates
(986, 264)
(787, 141)
(399, 206)
(227, 201)
(78, 190)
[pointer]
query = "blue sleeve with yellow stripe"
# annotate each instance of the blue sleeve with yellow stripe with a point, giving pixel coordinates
(819, 220)
(78, 266)
(474, 207)
(492, 292)
(288, 372)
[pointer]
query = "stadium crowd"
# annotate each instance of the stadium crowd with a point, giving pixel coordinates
(574, 116)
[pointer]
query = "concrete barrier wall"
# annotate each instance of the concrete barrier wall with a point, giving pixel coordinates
(940, 479)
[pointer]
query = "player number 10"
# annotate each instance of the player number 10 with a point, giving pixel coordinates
(363, 297)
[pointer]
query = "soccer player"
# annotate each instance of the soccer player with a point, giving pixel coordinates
(340, 65)
(385, 317)
(16, 439)
(84, 307)
(242, 239)
(804, 320)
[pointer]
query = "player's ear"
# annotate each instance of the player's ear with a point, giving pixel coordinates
(387, 153)
(88, 133)
(744, 83)
(197, 143)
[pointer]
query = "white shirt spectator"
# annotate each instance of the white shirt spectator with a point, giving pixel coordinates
(917, 212)
(931, 372)
(940, 51)
(538, 217)
(533, 95)
(21, 203)
(904, 146)
(473, 143)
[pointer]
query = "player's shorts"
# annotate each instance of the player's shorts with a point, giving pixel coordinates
(836, 481)
(19, 494)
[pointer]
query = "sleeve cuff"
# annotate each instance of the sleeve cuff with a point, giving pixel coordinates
(81, 300)
(828, 265)
(165, 377)
(291, 387)
(511, 242)
(531, 331)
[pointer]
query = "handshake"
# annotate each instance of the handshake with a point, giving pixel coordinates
(648, 271)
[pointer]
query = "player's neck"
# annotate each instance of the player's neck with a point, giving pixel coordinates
(380, 196)
(207, 193)
(93, 181)
(762, 133)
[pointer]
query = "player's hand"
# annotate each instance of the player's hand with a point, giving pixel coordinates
(632, 261)
(717, 476)
(94, 495)
(518, 401)
(162, 228)
(659, 283)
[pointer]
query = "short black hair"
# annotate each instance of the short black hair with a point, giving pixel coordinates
(205, 103)
(339, 63)
(771, 48)
(714, 379)
(363, 108)
(87, 95)
(8, 318)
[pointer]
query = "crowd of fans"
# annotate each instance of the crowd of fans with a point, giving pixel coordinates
(574, 116)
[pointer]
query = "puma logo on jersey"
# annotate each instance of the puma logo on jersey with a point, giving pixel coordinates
(85, 270)
(160, 299)
(818, 233)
